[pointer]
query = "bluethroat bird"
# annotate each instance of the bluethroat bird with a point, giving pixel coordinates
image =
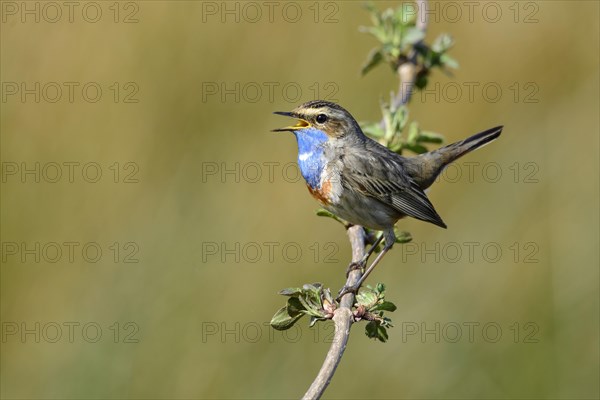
(362, 181)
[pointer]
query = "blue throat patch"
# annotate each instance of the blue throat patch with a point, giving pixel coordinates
(310, 154)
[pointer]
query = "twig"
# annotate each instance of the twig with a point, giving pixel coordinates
(406, 70)
(343, 317)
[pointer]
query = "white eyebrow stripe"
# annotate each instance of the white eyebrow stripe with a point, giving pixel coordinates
(312, 111)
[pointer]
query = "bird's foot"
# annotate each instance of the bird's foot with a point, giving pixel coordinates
(356, 265)
(347, 289)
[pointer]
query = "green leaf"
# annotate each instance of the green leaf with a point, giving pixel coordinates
(412, 36)
(382, 334)
(375, 331)
(442, 43)
(326, 295)
(397, 147)
(321, 212)
(421, 81)
(448, 61)
(371, 329)
(294, 306)
(403, 17)
(417, 148)
(313, 293)
(314, 319)
(290, 291)
(374, 130)
(312, 287)
(387, 15)
(413, 133)
(430, 137)
(366, 297)
(377, 31)
(385, 306)
(306, 304)
(374, 58)
(402, 236)
(310, 300)
(375, 15)
(282, 320)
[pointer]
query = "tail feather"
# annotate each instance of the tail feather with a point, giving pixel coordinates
(471, 143)
(426, 167)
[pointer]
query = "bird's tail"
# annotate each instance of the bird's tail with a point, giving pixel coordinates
(426, 167)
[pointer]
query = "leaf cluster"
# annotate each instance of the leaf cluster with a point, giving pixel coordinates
(310, 299)
(398, 134)
(370, 306)
(401, 40)
(316, 302)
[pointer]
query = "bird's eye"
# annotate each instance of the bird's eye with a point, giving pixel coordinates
(321, 118)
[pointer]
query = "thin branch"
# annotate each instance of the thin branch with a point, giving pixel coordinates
(407, 70)
(343, 317)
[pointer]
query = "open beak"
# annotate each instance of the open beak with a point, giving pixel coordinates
(299, 125)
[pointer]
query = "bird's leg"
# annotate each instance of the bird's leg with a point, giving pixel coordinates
(390, 239)
(363, 261)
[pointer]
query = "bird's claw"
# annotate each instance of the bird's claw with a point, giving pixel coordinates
(346, 290)
(355, 265)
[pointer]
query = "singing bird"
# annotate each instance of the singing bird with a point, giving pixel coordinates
(362, 181)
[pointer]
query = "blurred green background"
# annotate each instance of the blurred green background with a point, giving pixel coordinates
(203, 197)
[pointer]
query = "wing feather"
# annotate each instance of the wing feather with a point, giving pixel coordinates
(383, 176)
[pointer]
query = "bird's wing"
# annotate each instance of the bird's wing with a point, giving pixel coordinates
(379, 173)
